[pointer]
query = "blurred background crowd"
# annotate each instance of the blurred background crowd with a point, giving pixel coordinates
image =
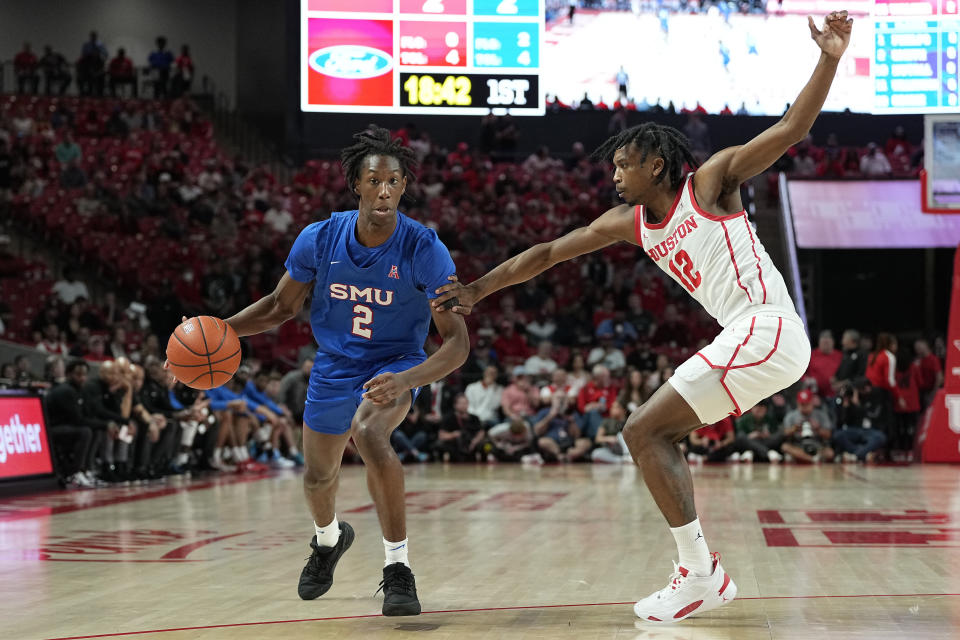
(121, 213)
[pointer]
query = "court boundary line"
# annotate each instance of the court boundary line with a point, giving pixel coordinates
(514, 608)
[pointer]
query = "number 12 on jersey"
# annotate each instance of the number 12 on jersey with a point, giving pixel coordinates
(682, 267)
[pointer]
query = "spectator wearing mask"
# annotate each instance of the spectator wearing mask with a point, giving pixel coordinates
(807, 431)
(461, 435)
(824, 362)
(853, 363)
(25, 66)
(874, 162)
(559, 437)
(72, 427)
(595, 399)
(609, 446)
(541, 365)
(858, 436)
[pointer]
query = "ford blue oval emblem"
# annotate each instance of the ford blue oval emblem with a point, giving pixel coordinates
(350, 61)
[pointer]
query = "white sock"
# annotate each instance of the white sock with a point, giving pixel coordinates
(692, 546)
(395, 552)
(240, 454)
(218, 454)
(329, 535)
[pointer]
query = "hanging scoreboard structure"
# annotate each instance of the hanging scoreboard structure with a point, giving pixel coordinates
(461, 57)
(916, 56)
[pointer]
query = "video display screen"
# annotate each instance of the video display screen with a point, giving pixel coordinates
(422, 56)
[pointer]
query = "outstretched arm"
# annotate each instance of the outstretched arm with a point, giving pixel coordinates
(722, 175)
(614, 225)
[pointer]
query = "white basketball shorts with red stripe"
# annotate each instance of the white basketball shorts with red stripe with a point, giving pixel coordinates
(752, 359)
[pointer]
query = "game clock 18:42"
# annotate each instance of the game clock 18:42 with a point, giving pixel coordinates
(469, 90)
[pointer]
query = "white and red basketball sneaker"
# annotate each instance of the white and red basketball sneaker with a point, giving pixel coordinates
(687, 594)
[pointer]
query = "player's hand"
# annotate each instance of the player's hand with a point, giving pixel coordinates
(385, 388)
(835, 36)
(456, 297)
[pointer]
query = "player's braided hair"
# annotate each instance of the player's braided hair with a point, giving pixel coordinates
(376, 141)
(667, 142)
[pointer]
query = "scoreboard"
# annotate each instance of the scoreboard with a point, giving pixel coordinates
(915, 66)
(422, 56)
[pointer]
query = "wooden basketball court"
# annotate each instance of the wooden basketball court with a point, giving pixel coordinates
(499, 551)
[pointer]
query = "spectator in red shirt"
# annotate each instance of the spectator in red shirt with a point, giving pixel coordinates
(897, 144)
(882, 364)
(824, 362)
(595, 399)
(183, 73)
(122, 73)
(882, 369)
(511, 347)
(713, 442)
(928, 372)
(25, 66)
(672, 331)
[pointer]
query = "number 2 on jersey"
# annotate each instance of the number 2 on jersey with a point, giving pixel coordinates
(364, 317)
(682, 267)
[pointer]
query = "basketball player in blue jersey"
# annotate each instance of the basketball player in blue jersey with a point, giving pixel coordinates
(371, 273)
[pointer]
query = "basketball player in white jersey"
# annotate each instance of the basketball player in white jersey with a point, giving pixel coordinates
(694, 227)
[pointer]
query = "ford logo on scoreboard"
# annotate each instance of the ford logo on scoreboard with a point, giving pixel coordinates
(351, 62)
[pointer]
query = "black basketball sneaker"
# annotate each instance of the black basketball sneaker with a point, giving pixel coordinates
(317, 577)
(399, 591)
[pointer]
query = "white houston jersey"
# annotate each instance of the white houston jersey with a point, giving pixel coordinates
(718, 260)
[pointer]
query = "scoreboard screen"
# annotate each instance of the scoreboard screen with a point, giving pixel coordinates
(915, 56)
(422, 56)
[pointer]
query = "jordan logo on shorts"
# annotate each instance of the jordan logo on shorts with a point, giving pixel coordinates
(393, 273)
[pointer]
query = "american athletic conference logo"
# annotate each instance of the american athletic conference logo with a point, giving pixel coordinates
(350, 61)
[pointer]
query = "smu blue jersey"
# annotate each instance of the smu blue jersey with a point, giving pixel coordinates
(370, 304)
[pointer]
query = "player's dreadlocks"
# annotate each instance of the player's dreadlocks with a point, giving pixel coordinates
(660, 139)
(376, 141)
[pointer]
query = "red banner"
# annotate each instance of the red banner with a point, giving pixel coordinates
(940, 432)
(24, 448)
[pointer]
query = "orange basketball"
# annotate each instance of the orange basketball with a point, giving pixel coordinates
(203, 352)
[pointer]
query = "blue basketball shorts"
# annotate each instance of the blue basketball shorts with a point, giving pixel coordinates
(334, 394)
